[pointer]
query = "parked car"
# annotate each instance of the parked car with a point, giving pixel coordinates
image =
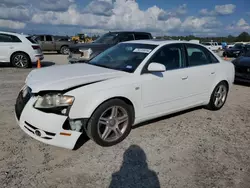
(54, 43)
(19, 50)
(85, 52)
(242, 66)
(214, 46)
(235, 51)
(127, 84)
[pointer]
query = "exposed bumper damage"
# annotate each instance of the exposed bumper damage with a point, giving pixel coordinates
(49, 128)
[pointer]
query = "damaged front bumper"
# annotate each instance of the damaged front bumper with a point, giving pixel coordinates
(49, 128)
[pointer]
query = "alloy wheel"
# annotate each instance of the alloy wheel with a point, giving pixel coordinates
(220, 96)
(113, 123)
(20, 61)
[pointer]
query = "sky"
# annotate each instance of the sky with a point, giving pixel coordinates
(160, 17)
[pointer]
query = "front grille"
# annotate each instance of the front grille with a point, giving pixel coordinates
(21, 101)
(35, 128)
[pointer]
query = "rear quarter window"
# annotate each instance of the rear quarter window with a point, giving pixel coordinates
(32, 40)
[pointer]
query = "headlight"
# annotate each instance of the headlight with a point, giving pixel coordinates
(86, 53)
(49, 101)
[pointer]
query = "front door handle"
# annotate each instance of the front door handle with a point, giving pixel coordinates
(212, 72)
(184, 78)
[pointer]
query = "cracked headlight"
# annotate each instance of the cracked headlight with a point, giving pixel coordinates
(50, 101)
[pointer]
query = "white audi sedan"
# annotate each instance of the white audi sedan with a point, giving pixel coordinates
(127, 84)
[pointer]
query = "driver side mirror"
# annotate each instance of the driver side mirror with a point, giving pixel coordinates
(156, 67)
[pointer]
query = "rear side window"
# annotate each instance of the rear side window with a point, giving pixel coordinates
(33, 41)
(9, 38)
(141, 36)
(198, 55)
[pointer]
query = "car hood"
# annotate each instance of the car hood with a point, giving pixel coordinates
(63, 77)
(243, 61)
(233, 49)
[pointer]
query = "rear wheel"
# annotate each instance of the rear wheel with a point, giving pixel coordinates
(111, 123)
(218, 97)
(20, 60)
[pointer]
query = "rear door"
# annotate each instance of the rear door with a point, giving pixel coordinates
(201, 70)
(49, 43)
(8, 44)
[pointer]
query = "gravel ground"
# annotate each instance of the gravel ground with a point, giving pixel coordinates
(198, 148)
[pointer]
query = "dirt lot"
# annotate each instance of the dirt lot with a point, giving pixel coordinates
(198, 148)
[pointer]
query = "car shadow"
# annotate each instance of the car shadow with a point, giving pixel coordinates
(84, 138)
(241, 83)
(81, 141)
(44, 64)
(134, 171)
(165, 117)
(34, 65)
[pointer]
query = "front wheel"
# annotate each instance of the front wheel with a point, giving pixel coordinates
(218, 97)
(111, 123)
(64, 50)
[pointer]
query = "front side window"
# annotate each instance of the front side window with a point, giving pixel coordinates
(170, 56)
(126, 37)
(48, 38)
(238, 45)
(40, 38)
(124, 56)
(198, 55)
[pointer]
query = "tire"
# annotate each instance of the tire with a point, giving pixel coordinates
(222, 97)
(64, 50)
(95, 128)
(224, 54)
(20, 60)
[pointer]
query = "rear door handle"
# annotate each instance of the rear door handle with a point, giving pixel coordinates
(184, 78)
(212, 72)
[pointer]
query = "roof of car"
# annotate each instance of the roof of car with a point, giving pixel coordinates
(12, 33)
(141, 32)
(158, 41)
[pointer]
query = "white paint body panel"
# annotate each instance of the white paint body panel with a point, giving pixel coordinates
(152, 95)
(9, 48)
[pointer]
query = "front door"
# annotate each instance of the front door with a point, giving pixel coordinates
(165, 92)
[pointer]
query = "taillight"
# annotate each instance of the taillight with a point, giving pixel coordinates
(35, 47)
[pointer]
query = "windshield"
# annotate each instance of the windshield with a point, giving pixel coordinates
(124, 56)
(108, 38)
(239, 46)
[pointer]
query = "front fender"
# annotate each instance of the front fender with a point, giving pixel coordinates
(86, 102)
